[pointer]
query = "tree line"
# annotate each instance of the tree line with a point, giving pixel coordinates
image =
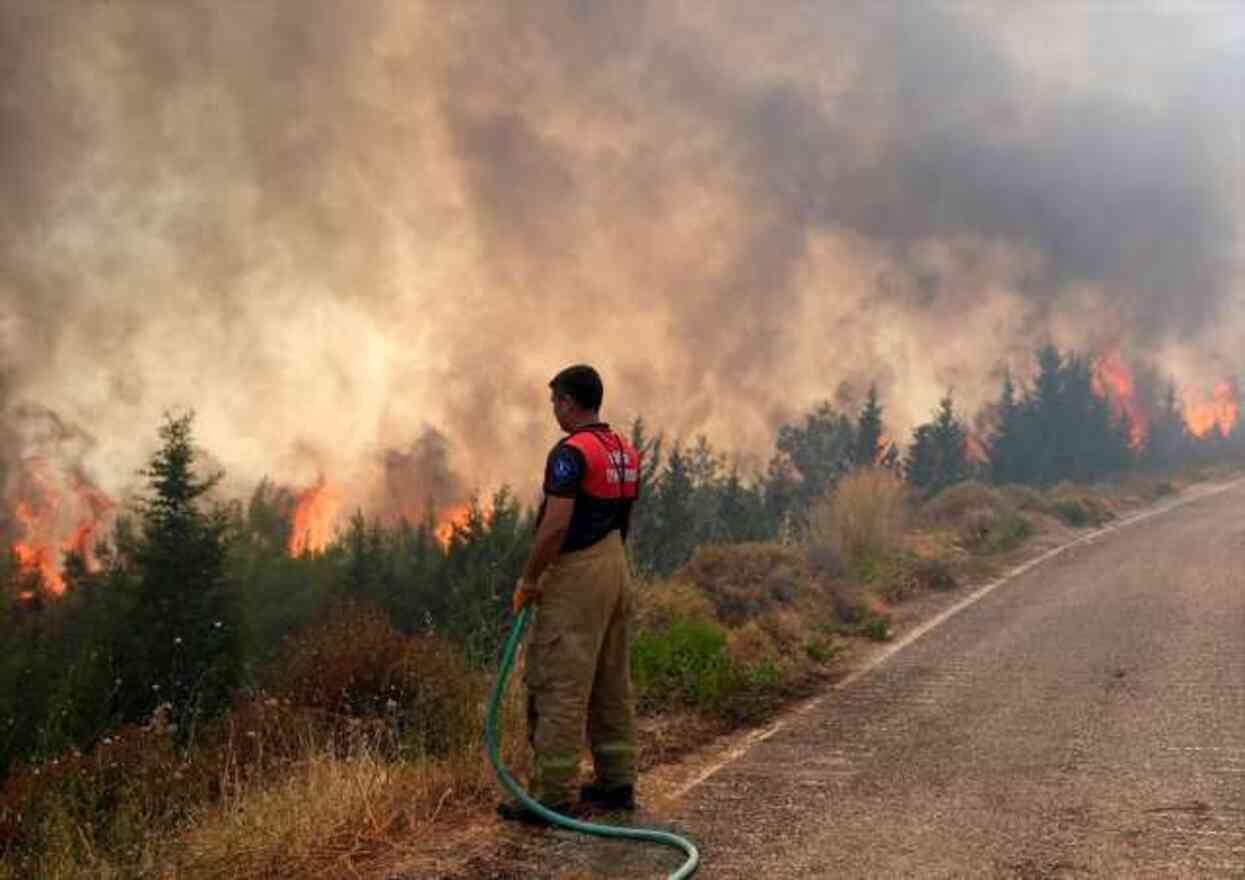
(193, 596)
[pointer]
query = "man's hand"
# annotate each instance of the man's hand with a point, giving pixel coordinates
(525, 594)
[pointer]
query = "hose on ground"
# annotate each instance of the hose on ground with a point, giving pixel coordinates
(508, 782)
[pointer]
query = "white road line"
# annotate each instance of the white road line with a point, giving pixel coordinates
(1194, 494)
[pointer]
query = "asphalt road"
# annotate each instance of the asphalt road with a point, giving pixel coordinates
(1084, 719)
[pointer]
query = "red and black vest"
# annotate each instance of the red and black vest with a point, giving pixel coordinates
(601, 471)
(612, 465)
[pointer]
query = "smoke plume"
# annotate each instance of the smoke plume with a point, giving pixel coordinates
(341, 231)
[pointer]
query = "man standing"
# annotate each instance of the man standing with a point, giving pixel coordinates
(578, 653)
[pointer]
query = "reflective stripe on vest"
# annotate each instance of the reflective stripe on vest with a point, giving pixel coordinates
(613, 465)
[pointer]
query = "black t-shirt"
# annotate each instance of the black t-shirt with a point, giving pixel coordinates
(592, 518)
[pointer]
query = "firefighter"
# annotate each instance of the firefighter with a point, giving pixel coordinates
(578, 654)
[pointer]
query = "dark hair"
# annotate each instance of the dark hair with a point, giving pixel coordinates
(581, 384)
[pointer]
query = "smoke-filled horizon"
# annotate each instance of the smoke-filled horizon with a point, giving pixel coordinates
(358, 239)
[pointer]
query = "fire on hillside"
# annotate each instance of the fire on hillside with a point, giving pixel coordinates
(55, 513)
(55, 509)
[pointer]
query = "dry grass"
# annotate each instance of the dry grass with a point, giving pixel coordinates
(330, 813)
(325, 773)
(333, 815)
(862, 522)
(660, 602)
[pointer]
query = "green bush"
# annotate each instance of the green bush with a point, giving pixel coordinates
(685, 663)
(876, 628)
(1007, 532)
(1071, 512)
(985, 519)
(1077, 506)
(821, 648)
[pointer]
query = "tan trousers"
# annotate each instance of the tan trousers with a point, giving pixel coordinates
(578, 672)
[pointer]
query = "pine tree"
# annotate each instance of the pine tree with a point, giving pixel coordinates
(820, 450)
(1093, 441)
(649, 450)
(868, 430)
(937, 456)
(1045, 419)
(644, 527)
(779, 492)
(186, 643)
(1006, 456)
(670, 542)
(742, 511)
(704, 469)
(364, 558)
(1168, 441)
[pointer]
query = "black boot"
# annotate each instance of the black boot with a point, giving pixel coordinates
(614, 797)
(513, 811)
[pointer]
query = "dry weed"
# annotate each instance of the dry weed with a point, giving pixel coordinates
(862, 522)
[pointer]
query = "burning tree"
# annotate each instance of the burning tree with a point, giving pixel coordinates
(1065, 427)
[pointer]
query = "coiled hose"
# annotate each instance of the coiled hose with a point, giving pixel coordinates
(508, 782)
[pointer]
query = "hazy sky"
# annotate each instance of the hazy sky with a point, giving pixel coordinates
(332, 226)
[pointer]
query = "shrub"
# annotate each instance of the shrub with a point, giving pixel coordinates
(985, 519)
(877, 628)
(685, 663)
(743, 581)
(861, 522)
(64, 815)
(933, 574)
(785, 629)
(1078, 507)
(1071, 512)
(850, 604)
(658, 603)
(953, 504)
(1024, 498)
(1006, 533)
(821, 648)
(750, 645)
(354, 665)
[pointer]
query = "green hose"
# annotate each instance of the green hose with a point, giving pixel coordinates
(508, 782)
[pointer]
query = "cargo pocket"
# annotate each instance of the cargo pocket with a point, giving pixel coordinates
(541, 646)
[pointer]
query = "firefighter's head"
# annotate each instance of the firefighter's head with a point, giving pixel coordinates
(576, 394)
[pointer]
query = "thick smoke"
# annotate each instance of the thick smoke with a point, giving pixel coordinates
(327, 226)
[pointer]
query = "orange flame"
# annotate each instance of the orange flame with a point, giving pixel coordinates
(315, 511)
(449, 520)
(1218, 413)
(42, 517)
(1113, 381)
(32, 554)
(885, 445)
(97, 506)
